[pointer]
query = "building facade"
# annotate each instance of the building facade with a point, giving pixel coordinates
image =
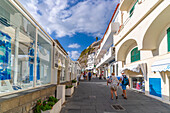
(142, 45)
(90, 61)
(31, 62)
(105, 55)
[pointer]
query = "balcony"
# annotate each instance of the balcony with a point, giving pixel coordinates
(107, 57)
(134, 17)
(108, 39)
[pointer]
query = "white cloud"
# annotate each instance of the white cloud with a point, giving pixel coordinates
(74, 45)
(74, 54)
(88, 16)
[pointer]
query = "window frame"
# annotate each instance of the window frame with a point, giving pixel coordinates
(135, 54)
(168, 39)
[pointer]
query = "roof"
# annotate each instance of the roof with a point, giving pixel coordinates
(61, 46)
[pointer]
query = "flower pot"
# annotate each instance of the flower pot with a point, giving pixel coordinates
(69, 91)
(56, 108)
(61, 93)
(74, 84)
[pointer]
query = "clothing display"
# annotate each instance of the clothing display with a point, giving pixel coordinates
(5, 56)
(31, 63)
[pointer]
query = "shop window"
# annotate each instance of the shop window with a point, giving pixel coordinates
(138, 83)
(16, 50)
(168, 36)
(132, 9)
(43, 60)
(135, 55)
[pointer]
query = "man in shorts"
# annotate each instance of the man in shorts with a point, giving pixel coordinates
(124, 84)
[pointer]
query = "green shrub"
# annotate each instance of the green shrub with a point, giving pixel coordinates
(74, 81)
(52, 99)
(45, 105)
(69, 86)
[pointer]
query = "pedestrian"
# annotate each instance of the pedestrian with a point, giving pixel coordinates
(125, 81)
(89, 75)
(113, 82)
(84, 75)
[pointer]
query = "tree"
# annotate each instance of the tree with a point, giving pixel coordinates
(96, 38)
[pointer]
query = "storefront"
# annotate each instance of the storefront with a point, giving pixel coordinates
(25, 51)
(159, 85)
(137, 74)
(138, 83)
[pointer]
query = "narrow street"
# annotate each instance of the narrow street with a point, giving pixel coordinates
(94, 97)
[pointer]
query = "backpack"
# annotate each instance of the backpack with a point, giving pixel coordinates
(125, 81)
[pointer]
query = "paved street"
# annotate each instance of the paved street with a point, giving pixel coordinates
(94, 97)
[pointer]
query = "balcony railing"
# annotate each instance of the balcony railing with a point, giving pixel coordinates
(109, 54)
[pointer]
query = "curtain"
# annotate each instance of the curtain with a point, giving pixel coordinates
(143, 67)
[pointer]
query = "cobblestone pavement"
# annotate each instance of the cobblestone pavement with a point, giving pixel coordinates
(94, 97)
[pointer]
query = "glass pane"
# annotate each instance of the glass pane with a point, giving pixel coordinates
(43, 60)
(17, 43)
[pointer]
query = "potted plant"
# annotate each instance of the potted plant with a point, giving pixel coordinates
(69, 90)
(74, 83)
(52, 105)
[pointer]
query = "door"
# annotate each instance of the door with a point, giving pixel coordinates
(155, 87)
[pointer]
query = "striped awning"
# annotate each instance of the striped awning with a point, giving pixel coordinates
(161, 65)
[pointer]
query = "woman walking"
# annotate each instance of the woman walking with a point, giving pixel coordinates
(114, 82)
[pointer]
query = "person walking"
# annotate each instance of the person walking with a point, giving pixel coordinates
(84, 75)
(124, 82)
(89, 75)
(114, 82)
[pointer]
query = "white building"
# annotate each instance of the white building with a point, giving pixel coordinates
(90, 61)
(105, 56)
(142, 44)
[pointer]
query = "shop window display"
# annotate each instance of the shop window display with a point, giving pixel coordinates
(43, 60)
(138, 83)
(17, 52)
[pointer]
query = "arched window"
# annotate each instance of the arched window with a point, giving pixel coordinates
(135, 55)
(168, 36)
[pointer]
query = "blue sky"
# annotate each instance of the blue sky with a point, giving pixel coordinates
(75, 23)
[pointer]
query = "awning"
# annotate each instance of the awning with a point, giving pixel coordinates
(161, 65)
(134, 68)
(137, 68)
